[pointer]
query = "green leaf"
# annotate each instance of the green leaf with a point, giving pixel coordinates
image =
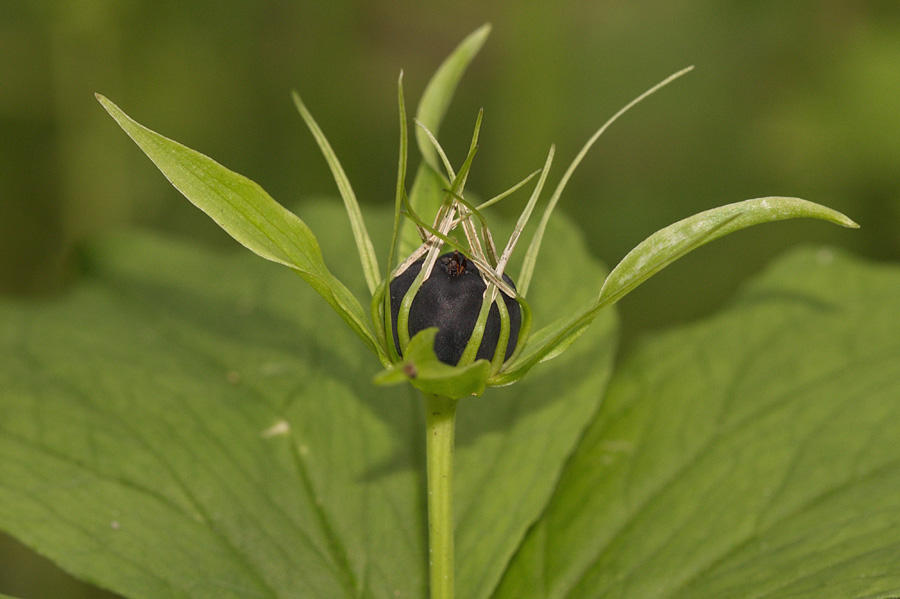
(381, 314)
(246, 212)
(669, 244)
(422, 369)
(426, 196)
(427, 191)
(535, 246)
(440, 89)
(655, 253)
(367, 256)
(550, 341)
(186, 423)
(756, 454)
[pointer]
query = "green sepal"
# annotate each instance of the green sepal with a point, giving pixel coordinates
(427, 190)
(440, 89)
(422, 369)
(652, 255)
(427, 194)
(367, 257)
(246, 212)
(474, 343)
(381, 299)
(671, 243)
(535, 245)
(503, 339)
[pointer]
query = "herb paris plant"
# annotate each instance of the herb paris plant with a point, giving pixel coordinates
(255, 220)
(410, 325)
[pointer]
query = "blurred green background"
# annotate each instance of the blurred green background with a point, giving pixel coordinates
(799, 98)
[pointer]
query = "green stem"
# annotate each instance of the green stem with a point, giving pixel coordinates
(440, 424)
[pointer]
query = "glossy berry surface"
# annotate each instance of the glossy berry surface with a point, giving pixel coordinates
(450, 300)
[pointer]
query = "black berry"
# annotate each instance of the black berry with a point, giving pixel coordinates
(450, 300)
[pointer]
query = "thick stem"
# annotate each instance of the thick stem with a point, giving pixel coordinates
(440, 424)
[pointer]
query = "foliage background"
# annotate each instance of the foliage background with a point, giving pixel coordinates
(788, 98)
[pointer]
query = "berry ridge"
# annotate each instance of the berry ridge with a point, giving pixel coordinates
(450, 299)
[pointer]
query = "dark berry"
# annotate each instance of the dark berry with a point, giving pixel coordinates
(450, 300)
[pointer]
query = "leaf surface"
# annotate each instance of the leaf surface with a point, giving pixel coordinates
(672, 242)
(247, 213)
(658, 251)
(756, 454)
(192, 424)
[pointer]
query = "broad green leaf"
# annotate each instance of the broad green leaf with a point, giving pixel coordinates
(363, 243)
(658, 251)
(247, 213)
(756, 454)
(186, 423)
(422, 369)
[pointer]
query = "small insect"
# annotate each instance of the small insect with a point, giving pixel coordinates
(455, 264)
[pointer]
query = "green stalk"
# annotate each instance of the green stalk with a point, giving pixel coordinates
(440, 424)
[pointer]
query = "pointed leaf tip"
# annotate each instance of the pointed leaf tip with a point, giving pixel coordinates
(440, 89)
(668, 244)
(250, 215)
(535, 245)
(367, 257)
(658, 251)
